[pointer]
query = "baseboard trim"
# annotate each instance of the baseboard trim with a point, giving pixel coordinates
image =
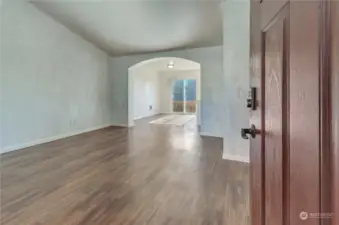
(143, 117)
(237, 158)
(209, 135)
(49, 139)
(120, 125)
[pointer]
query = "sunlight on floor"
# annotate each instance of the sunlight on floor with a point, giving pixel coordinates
(178, 120)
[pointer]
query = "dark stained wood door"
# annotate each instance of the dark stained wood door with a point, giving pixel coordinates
(269, 45)
(304, 117)
(286, 156)
(274, 113)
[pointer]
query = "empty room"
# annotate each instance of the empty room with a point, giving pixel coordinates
(169, 112)
(165, 91)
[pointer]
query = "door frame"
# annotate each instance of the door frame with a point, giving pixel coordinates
(325, 104)
(330, 77)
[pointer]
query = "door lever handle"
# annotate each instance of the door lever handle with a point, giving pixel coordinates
(251, 131)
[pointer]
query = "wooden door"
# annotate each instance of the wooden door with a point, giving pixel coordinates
(274, 107)
(285, 158)
(304, 115)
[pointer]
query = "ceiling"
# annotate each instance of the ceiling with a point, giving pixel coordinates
(123, 27)
(161, 64)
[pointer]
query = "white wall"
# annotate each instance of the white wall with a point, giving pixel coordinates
(53, 83)
(146, 92)
(236, 28)
(210, 59)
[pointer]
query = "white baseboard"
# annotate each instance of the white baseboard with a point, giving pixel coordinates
(120, 125)
(209, 135)
(237, 158)
(49, 139)
(142, 117)
(178, 113)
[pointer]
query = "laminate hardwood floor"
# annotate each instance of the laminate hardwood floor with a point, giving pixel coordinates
(149, 174)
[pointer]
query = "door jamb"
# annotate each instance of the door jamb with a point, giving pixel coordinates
(325, 111)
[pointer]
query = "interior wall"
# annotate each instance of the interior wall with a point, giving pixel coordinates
(236, 28)
(53, 83)
(210, 59)
(146, 92)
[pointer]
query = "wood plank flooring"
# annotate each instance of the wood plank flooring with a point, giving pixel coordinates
(150, 174)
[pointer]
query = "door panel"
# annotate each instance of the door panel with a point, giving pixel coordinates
(178, 96)
(274, 111)
(269, 9)
(304, 111)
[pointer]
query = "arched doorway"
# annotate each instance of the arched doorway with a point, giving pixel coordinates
(166, 71)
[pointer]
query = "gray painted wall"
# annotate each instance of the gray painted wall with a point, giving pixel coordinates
(210, 59)
(236, 63)
(53, 83)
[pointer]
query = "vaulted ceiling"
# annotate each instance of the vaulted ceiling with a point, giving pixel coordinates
(122, 27)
